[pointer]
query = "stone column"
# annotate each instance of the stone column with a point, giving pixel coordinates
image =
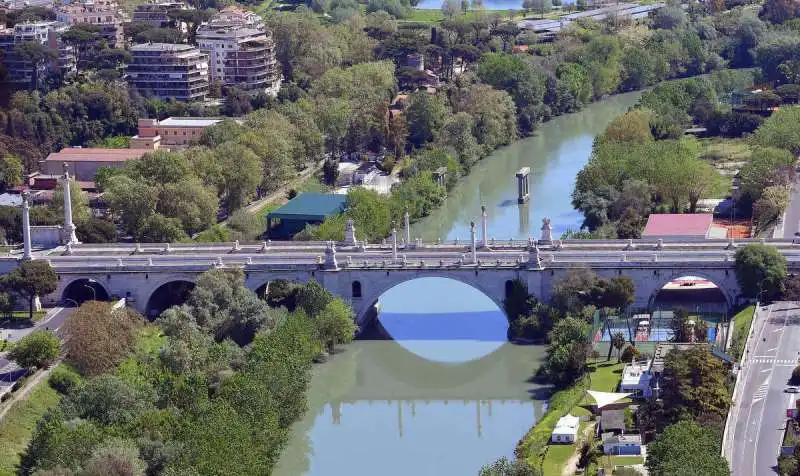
(474, 245)
(394, 244)
(26, 227)
(330, 257)
(523, 192)
(407, 223)
(349, 232)
(484, 227)
(69, 227)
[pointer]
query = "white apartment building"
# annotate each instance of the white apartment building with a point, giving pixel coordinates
(103, 13)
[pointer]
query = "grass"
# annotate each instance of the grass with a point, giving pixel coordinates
(37, 315)
(741, 326)
(626, 460)
(424, 15)
(556, 458)
(19, 423)
(719, 149)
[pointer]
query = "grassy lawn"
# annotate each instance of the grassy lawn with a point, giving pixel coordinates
(719, 149)
(18, 425)
(741, 326)
(626, 460)
(20, 315)
(557, 456)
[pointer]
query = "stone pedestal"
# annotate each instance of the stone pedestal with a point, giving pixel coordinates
(523, 191)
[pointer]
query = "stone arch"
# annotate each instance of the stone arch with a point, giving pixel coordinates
(169, 291)
(374, 286)
(81, 289)
(356, 289)
(259, 282)
(722, 283)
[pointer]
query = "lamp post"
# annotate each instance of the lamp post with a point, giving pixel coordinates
(76, 302)
(91, 288)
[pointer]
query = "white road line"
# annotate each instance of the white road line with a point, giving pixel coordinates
(772, 349)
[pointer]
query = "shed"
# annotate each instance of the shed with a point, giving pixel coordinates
(304, 209)
(612, 421)
(566, 430)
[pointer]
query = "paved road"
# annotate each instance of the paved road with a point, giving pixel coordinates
(791, 221)
(9, 371)
(760, 412)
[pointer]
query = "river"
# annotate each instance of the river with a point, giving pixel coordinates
(435, 389)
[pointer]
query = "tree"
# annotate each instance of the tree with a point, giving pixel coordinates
(693, 385)
(97, 337)
(537, 6)
(241, 177)
(767, 167)
(570, 294)
(10, 172)
(618, 342)
(109, 400)
(31, 279)
(80, 202)
(450, 8)
(760, 269)
(158, 228)
(567, 352)
(336, 324)
(777, 132)
(37, 54)
(425, 115)
(37, 350)
(312, 298)
(630, 353)
(131, 200)
(115, 458)
(685, 449)
(631, 127)
(779, 11)
(506, 467)
(194, 204)
(7, 304)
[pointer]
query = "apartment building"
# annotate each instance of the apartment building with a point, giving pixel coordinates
(172, 132)
(21, 72)
(103, 13)
(241, 51)
(169, 71)
(156, 13)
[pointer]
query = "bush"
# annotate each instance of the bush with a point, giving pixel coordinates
(5, 397)
(63, 379)
(630, 353)
(38, 350)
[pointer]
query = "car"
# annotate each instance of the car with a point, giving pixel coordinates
(792, 390)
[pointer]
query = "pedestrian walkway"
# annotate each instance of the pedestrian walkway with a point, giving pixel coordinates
(768, 360)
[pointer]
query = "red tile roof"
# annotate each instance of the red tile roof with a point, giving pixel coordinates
(678, 224)
(93, 154)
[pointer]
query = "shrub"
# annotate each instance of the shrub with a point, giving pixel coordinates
(63, 379)
(38, 350)
(5, 397)
(630, 352)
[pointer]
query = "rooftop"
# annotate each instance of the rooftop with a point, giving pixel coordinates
(678, 224)
(635, 374)
(190, 121)
(612, 420)
(91, 154)
(610, 439)
(161, 47)
(567, 424)
(310, 206)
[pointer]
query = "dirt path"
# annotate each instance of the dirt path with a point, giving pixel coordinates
(572, 462)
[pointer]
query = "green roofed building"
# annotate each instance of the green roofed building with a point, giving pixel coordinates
(304, 209)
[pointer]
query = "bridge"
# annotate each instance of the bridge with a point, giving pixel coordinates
(361, 272)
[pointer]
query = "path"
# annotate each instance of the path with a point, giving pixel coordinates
(280, 193)
(572, 462)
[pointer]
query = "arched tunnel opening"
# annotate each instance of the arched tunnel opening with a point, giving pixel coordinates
(173, 293)
(438, 319)
(82, 290)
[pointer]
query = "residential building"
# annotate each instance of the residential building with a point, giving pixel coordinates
(85, 162)
(636, 379)
(169, 71)
(172, 132)
(102, 13)
(21, 71)
(566, 430)
(626, 445)
(156, 12)
(241, 51)
(612, 421)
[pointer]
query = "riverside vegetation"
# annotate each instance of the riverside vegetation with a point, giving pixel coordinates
(211, 387)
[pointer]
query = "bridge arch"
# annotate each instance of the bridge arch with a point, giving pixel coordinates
(168, 292)
(724, 279)
(82, 289)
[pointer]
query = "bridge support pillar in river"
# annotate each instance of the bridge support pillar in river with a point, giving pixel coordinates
(523, 192)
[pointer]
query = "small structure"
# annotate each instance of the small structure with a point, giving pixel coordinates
(566, 430)
(636, 379)
(680, 226)
(622, 444)
(523, 191)
(612, 421)
(440, 176)
(304, 209)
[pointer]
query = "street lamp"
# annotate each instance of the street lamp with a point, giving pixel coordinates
(76, 302)
(91, 288)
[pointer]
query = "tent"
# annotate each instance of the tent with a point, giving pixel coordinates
(607, 398)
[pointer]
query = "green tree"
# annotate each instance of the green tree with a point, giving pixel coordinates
(685, 449)
(693, 385)
(37, 350)
(131, 200)
(506, 467)
(97, 337)
(336, 324)
(312, 298)
(29, 280)
(37, 54)
(633, 126)
(425, 115)
(767, 167)
(567, 352)
(190, 202)
(618, 342)
(10, 172)
(115, 458)
(760, 269)
(158, 228)
(776, 131)
(240, 177)
(7, 304)
(778, 11)
(81, 213)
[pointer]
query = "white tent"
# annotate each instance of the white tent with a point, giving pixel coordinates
(607, 398)
(566, 430)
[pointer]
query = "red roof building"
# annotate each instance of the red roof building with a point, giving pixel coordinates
(84, 162)
(682, 225)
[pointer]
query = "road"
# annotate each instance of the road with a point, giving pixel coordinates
(759, 411)
(9, 371)
(791, 218)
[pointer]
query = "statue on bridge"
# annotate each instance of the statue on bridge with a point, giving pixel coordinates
(547, 231)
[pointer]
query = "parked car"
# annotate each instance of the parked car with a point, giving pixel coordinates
(792, 390)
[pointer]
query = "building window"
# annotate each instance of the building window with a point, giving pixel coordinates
(356, 289)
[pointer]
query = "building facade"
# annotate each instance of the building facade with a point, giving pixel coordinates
(102, 13)
(84, 163)
(172, 132)
(169, 71)
(22, 72)
(157, 13)
(241, 51)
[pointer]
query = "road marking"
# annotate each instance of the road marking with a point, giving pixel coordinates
(767, 360)
(762, 391)
(772, 349)
(766, 370)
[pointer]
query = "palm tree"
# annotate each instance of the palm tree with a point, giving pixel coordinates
(618, 342)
